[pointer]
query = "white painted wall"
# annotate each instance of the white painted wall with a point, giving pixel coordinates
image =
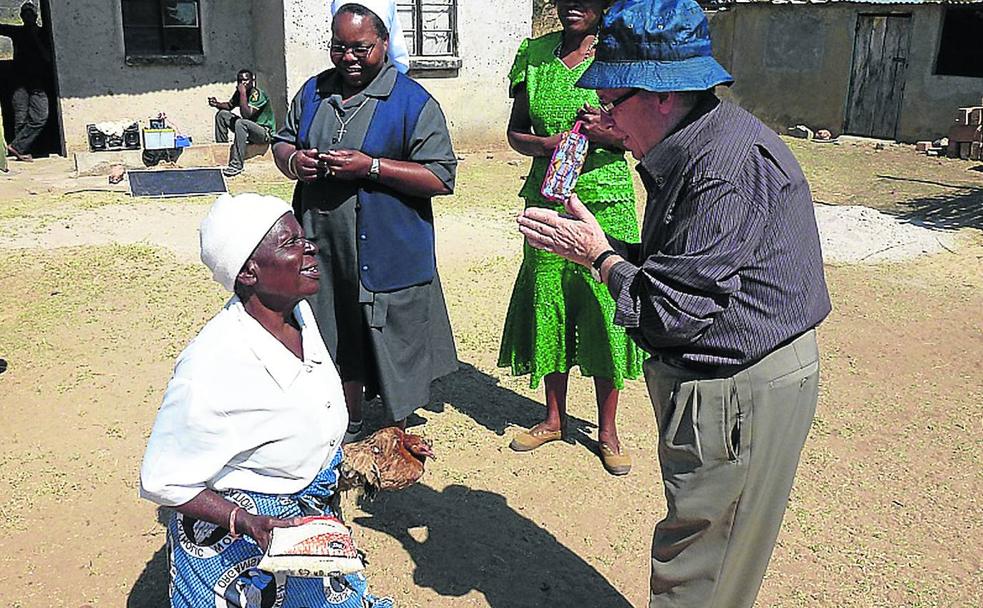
(477, 103)
(95, 83)
(475, 100)
(285, 41)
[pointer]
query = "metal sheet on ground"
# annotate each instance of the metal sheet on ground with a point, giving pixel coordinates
(176, 182)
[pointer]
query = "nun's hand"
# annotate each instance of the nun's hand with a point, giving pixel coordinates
(305, 164)
(348, 165)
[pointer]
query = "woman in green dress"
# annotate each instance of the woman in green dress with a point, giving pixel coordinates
(559, 317)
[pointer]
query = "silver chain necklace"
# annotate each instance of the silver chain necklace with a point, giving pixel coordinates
(343, 124)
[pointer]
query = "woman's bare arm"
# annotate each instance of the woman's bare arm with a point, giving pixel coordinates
(211, 507)
(520, 134)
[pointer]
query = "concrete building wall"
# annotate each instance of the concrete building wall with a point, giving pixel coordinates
(792, 65)
(96, 84)
(476, 103)
(930, 101)
(475, 98)
(269, 52)
(285, 41)
(307, 36)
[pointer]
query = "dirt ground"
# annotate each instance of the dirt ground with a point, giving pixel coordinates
(99, 293)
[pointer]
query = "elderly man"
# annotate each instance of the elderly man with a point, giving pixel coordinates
(725, 291)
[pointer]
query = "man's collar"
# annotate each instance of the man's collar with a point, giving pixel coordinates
(666, 155)
(281, 364)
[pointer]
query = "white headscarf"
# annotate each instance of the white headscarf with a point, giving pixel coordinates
(232, 229)
(385, 10)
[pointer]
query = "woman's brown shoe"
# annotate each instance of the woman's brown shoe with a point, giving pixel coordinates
(616, 464)
(526, 441)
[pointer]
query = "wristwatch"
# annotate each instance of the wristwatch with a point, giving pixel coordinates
(595, 266)
(374, 170)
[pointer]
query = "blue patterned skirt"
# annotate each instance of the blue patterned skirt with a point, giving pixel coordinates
(209, 569)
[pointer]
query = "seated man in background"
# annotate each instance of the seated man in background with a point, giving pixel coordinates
(254, 124)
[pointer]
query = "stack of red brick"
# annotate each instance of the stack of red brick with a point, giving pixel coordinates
(966, 135)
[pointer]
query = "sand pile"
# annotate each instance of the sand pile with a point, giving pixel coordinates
(856, 234)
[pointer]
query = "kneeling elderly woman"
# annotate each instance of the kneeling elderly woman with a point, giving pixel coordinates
(249, 434)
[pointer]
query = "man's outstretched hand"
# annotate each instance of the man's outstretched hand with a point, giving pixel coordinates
(575, 235)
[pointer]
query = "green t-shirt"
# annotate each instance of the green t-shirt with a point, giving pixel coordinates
(258, 100)
(554, 100)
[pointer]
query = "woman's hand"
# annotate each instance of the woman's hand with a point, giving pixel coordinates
(305, 164)
(260, 527)
(551, 142)
(600, 128)
(348, 165)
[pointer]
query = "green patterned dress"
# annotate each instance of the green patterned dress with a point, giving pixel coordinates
(559, 317)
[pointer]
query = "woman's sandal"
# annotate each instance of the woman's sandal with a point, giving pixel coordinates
(527, 441)
(615, 464)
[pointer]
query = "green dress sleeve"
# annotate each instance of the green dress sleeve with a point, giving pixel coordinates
(517, 75)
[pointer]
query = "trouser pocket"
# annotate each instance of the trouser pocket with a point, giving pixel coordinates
(734, 416)
(700, 421)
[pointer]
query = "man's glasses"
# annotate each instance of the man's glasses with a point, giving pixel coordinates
(609, 106)
(360, 51)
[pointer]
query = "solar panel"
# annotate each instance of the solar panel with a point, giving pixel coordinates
(176, 182)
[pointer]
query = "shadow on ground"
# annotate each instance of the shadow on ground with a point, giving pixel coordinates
(150, 590)
(960, 208)
(473, 540)
(480, 397)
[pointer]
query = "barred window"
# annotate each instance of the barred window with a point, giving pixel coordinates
(430, 27)
(162, 27)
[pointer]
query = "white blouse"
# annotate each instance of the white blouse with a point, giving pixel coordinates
(242, 412)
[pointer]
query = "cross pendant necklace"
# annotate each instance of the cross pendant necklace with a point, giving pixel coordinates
(343, 124)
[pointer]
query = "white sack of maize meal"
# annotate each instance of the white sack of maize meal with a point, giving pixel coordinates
(317, 548)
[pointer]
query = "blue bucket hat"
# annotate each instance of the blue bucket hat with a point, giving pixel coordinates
(656, 45)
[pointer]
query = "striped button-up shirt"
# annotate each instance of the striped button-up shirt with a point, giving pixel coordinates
(729, 267)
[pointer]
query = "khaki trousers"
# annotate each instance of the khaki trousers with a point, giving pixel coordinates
(728, 450)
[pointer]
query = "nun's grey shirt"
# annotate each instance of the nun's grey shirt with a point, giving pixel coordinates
(398, 342)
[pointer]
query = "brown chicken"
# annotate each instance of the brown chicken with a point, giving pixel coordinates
(389, 459)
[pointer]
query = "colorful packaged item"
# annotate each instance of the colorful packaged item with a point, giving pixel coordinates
(565, 166)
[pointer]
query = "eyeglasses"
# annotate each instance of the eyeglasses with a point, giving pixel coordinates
(609, 106)
(361, 51)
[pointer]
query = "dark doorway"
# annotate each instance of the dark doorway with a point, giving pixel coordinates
(880, 58)
(51, 139)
